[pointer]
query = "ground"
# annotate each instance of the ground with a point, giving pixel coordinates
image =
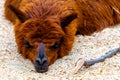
(14, 67)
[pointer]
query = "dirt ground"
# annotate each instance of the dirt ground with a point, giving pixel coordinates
(14, 67)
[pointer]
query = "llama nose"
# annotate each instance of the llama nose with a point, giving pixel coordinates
(41, 62)
(41, 58)
(41, 65)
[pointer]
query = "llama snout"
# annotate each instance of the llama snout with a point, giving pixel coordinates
(41, 61)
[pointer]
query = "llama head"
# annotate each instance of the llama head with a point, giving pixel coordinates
(40, 39)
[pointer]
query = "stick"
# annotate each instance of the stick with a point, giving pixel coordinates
(80, 63)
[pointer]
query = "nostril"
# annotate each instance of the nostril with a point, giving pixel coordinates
(44, 61)
(40, 61)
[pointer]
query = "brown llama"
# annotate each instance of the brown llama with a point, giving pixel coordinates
(45, 29)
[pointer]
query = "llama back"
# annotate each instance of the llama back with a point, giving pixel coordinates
(97, 15)
(115, 5)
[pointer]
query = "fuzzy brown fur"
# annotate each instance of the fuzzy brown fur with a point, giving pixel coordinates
(49, 21)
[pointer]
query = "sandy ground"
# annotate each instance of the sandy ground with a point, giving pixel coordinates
(14, 67)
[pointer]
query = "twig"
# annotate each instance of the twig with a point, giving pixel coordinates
(80, 63)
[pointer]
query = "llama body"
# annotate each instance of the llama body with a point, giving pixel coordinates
(45, 29)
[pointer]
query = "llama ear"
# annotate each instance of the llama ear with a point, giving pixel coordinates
(19, 14)
(68, 19)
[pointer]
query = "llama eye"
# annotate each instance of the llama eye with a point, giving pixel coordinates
(26, 43)
(56, 45)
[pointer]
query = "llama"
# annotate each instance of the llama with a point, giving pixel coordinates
(45, 29)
